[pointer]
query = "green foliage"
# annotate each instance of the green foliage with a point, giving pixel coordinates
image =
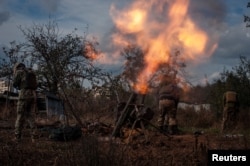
(215, 97)
(237, 79)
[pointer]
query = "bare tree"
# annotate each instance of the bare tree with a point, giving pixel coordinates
(61, 60)
(13, 54)
(63, 63)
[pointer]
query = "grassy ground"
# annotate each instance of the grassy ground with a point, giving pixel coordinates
(96, 148)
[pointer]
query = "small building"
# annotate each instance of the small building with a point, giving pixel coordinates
(5, 85)
(50, 104)
(8, 103)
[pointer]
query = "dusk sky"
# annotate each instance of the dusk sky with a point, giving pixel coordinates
(221, 20)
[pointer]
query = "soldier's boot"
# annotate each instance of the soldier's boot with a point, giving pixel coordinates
(34, 137)
(33, 140)
(173, 129)
(165, 127)
(161, 124)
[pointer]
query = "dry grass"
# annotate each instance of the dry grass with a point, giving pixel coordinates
(190, 118)
(98, 150)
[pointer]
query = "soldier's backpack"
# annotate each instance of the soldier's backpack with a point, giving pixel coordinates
(169, 92)
(30, 81)
(231, 97)
(66, 133)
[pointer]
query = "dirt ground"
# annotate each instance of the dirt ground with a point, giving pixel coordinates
(96, 147)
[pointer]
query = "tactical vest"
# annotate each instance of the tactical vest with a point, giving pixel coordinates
(231, 97)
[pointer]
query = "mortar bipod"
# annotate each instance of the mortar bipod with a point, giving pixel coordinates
(139, 119)
(139, 110)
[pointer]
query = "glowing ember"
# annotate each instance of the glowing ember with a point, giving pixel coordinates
(90, 52)
(158, 27)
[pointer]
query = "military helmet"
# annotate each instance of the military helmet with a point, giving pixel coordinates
(18, 66)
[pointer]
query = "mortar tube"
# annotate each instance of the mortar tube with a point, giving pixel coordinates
(142, 98)
(123, 115)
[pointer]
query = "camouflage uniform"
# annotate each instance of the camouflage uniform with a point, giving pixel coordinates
(168, 101)
(26, 103)
(230, 110)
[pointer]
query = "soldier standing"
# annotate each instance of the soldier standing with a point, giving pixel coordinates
(230, 110)
(25, 81)
(168, 102)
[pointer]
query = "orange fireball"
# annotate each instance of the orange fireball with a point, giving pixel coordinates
(159, 27)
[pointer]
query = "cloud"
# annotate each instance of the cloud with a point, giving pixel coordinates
(49, 5)
(32, 9)
(212, 11)
(221, 19)
(208, 78)
(1, 51)
(4, 16)
(234, 43)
